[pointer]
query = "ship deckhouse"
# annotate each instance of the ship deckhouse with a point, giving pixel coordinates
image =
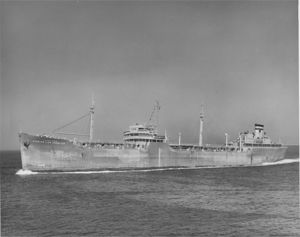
(258, 138)
(141, 135)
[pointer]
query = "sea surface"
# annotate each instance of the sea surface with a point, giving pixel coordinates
(244, 201)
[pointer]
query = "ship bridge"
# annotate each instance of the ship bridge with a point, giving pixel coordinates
(141, 135)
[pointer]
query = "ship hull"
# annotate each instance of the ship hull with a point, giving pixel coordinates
(41, 153)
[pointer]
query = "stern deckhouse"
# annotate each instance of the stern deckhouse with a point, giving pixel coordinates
(257, 138)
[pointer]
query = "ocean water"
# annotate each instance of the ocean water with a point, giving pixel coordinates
(244, 201)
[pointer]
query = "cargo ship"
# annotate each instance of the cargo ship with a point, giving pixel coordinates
(144, 148)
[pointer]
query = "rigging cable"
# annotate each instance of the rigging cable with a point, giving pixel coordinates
(70, 122)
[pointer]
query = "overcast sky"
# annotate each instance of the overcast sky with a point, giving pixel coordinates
(238, 58)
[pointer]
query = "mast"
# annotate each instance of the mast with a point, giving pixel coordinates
(92, 111)
(201, 126)
(226, 140)
(157, 115)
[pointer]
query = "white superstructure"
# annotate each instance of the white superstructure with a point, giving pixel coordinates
(141, 135)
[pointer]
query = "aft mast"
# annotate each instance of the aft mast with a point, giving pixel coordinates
(201, 126)
(92, 111)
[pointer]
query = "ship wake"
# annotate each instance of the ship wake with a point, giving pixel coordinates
(29, 172)
(280, 162)
(26, 172)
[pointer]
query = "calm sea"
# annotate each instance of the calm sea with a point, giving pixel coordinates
(249, 201)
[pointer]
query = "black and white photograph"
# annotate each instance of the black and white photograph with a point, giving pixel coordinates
(149, 118)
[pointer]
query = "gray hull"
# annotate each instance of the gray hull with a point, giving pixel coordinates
(41, 153)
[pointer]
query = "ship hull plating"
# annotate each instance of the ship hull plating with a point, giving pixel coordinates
(41, 153)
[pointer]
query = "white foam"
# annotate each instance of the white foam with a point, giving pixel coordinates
(280, 162)
(113, 171)
(90, 172)
(29, 172)
(26, 172)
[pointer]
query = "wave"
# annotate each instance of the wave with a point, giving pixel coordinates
(29, 172)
